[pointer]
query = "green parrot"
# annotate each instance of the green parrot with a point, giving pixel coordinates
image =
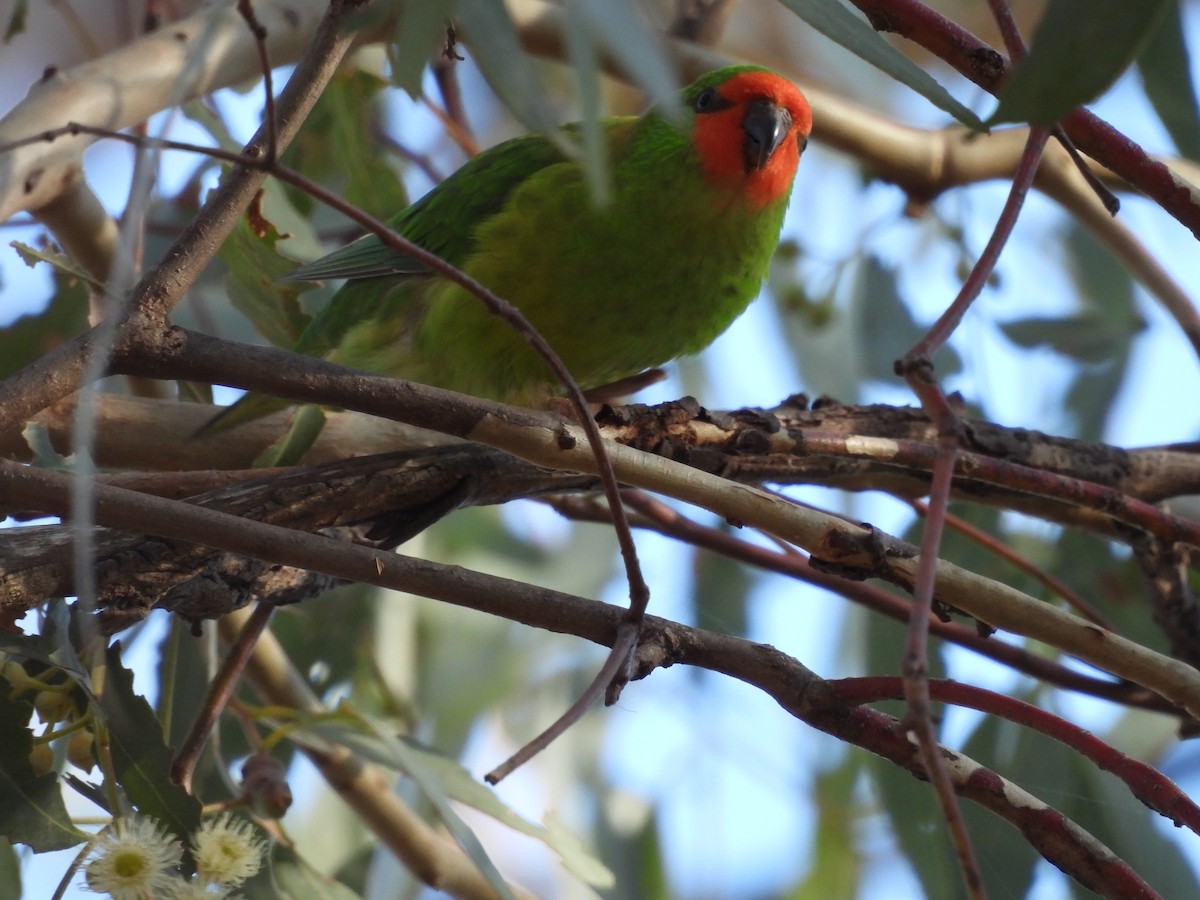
(677, 253)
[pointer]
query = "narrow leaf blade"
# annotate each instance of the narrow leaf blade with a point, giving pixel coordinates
(1079, 48)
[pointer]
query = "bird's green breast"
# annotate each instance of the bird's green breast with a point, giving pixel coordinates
(659, 272)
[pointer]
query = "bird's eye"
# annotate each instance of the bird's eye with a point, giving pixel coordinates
(705, 100)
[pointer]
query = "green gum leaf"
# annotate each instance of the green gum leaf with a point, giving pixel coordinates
(32, 811)
(1079, 48)
(1165, 67)
(844, 27)
(140, 756)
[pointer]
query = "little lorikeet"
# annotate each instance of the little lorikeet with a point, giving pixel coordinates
(677, 253)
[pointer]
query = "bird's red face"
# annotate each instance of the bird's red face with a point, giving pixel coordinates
(749, 131)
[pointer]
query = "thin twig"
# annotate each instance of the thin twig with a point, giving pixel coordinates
(246, 9)
(219, 693)
(948, 321)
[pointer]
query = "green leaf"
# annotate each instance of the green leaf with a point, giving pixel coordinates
(919, 828)
(886, 327)
(302, 433)
(461, 786)
(16, 25)
(1087, 337)
(30, 337)
(1101, 334)
(141, 759)
(255, 267)
(1079, 48)
(1105, 807)
(837, 869)
(10, 870)
(288, 876)
(496, 49)
(420, 32)
(62, 263)
(1008, 865)
(338, 146)
(720, 596)
(623, 33)
(581, 53)
(842, 26)
(1165, 67)
(32, 811)
(392, 751)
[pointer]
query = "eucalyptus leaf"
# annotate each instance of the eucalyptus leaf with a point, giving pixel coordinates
(420, 32)
(582, 54)
(16, 21)
(141, 758)
(255, 266)
(32, 811)
(1166, 70)
(842, 26)
(401, 755)
(496, 49)
(60, 261)
(623, 32)
(10, 870)
(29, 337)
(1079, 48)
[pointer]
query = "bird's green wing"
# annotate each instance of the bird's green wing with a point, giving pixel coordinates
(444, 220)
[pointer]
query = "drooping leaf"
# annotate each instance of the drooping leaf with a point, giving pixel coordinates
(301, 434)
(255, 267)
(32, 811)
(886, 326)
(1165, 67)
(838, 863)
(496, 49)
(1008, 865)
(288, 875)
(582, 55)
(16, 21)
(462, 787)
(919, 827)
(720, 594)
(141, 759)
(339, 147)
(619, 29)
(62, 263)
(34, 335)
(10, 870)
(1079, 48)
(1106, 808)
(420, 32)
(387, 749)
(842, 26)
(1100, 334)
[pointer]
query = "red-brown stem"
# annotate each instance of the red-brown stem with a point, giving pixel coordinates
(981, 64)
(1146, 783)
(219, 693)
(986, 264)
(246, 10)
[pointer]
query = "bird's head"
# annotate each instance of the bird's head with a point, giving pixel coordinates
(749, 128)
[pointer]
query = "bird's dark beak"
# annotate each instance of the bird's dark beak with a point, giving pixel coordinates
(765, 125)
